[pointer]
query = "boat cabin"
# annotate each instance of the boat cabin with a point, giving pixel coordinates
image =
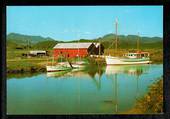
(137, 55)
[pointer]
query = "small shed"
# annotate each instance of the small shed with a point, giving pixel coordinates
(99, 49)
(38, 53)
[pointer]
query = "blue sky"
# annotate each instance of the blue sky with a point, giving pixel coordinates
(75, 22)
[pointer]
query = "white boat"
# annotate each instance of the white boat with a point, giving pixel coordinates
(137, 57)
(60, 66)
(129, 58)
(78, 64)
(57, 68)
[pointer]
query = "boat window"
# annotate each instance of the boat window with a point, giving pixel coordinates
(142, 55)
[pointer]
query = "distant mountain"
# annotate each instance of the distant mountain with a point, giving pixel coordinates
(45, 45)
(15, 40)
(130, 41)
(26, 39)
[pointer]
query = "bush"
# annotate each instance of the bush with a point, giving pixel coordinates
(153, 101)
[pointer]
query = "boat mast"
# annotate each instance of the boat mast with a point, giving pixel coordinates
(78, 47)
(28, 48)
(99, 47)
(138, 42)
(116, 35)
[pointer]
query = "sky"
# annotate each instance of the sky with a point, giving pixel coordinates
(76, 22)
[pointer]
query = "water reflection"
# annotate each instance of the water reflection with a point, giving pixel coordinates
(21, 75)
(96, 89)
(112, 72)
(57, 74)
(127, 69)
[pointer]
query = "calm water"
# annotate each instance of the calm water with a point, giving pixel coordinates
(111, 89)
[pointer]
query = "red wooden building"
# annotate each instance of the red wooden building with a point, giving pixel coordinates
(72, 50)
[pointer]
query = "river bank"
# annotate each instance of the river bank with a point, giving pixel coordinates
(26, 65)
(22, 65)
(152, 102)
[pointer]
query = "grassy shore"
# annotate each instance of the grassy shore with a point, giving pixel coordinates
(26, 65)
(18, 64)
(152, 102)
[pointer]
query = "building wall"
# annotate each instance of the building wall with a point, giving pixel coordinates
(70, 53)
(101, 50)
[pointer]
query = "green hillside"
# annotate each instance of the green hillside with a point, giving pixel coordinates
(44, 45)
(130, 41)
(15, 41)
(26, 39)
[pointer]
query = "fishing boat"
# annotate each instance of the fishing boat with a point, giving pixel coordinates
(137, 57)
(57, 68)
(129, 58)
(60, 66)
(79, 64)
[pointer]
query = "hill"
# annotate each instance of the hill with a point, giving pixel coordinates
(15, 41)
(26, 39)
(44, 45)
(130, 41)
(126, 42)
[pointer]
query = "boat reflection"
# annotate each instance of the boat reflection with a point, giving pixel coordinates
(57, 74)
(127, 69)
(113, 72)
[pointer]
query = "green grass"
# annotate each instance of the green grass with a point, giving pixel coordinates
(26, 65)
(152, 102)
(15, 61)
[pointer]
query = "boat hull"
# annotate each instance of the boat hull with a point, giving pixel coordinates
(79, 64)
(120, 61)
(57, 68)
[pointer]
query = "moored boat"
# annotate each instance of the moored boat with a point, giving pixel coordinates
(57, 68)
(137, 57)
(79, 64)
(60, 66)
(129, 58)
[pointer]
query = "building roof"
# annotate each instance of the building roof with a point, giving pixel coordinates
(72, 45)
(96, 44)
(37, 51)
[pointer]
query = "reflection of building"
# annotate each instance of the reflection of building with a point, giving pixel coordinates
(72, 50)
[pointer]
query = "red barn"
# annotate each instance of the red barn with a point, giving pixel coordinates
(72, 50)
